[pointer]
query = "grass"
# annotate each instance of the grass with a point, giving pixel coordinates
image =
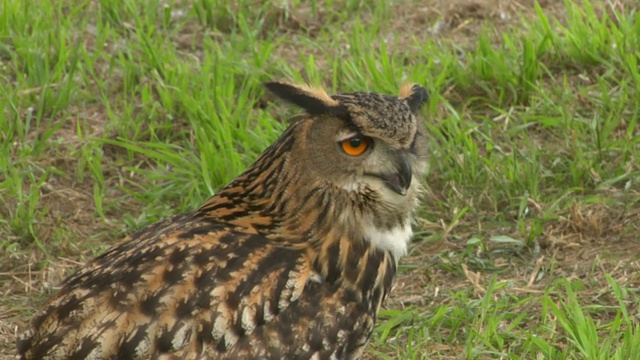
(116, 114)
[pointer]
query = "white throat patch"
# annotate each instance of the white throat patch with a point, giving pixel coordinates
(394, 241)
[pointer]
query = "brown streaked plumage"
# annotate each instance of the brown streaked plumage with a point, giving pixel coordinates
(293, 259)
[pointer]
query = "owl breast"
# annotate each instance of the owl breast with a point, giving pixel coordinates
(394, 240)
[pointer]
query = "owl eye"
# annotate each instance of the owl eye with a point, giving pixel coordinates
(356, 145)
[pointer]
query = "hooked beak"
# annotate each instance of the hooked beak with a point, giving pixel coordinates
(400, 180)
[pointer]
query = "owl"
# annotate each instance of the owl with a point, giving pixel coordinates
(292, 260)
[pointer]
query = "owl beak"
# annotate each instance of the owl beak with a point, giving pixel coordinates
(400, 180)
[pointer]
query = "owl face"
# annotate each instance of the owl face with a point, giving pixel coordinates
(364, 143)
(365, 151)
(358, 160)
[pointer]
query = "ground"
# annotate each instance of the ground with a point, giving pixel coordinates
(532, 203)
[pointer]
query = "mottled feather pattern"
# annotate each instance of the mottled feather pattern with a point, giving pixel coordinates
(281, 263)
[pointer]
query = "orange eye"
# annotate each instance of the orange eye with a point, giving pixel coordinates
(356, 145)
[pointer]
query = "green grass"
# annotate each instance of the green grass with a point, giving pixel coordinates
(115, 114)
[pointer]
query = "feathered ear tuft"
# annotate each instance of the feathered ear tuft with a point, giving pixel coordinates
(314, 100)
(415, 95)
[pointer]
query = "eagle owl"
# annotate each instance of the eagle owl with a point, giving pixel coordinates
(291, 260)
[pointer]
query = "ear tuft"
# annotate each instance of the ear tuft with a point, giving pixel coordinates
(313, 100)
(415, 95)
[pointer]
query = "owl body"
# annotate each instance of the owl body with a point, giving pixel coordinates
(292, 260)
